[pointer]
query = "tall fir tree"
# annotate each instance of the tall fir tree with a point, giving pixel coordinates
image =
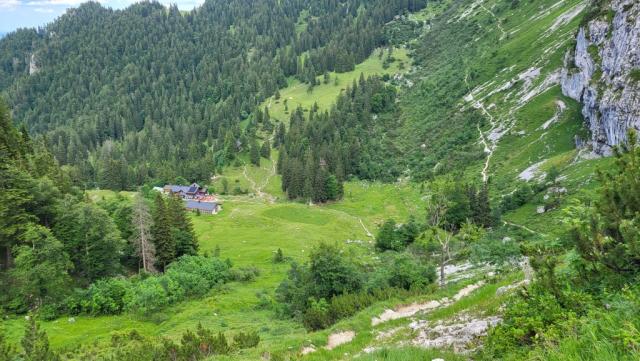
(181, 228)
(161, 234)
(265, 150)
(254, 153)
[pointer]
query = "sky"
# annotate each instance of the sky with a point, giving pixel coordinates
(16, 14)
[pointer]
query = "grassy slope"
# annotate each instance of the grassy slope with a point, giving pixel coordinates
(325, 95)
(247, 231)
(530, 36)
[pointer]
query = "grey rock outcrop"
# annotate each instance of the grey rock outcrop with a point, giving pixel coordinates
(603, 73)
(33, 67)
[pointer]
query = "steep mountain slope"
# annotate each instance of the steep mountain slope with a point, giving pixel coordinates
(603, 72)
(503, 58)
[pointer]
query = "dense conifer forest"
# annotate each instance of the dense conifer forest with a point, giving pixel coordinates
(149, 93)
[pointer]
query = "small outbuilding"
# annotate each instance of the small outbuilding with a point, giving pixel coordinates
(204, 207)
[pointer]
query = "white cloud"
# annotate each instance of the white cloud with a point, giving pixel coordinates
(44, 10)
(6, 4)
(54, 2)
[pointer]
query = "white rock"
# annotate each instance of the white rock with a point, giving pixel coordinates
(610, 103)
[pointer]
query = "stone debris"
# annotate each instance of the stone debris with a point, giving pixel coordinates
(339, 338)
(456, 272)
(566, 17)
(404, 312)
(504, 289)
(458, 334)
(412, 309)
(387, 334)
(370, 349)
(467, 291)
(308, 349)
(531, 172)
(560, 107)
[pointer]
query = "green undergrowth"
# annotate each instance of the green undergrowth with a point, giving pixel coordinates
(408, 354)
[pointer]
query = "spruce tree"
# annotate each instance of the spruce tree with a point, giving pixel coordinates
(484, 207)
(35, 344)
(161, 234)
(182, 228)
(320, 185)
(309, 190)
(265, 150)
(332, 188)
(254, 153)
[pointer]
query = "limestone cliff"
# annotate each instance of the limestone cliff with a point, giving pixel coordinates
(603, 73)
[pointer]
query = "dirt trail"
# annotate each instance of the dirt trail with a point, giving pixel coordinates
(488, 148)
(411, 310)
(258, 188)
(504, 34)
(532, 231)
(369, 234)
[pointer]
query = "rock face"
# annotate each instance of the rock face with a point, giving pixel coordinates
(603, 73)
(33, 67)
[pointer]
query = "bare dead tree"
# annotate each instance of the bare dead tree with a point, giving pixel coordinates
(437, 208)
(141, 219)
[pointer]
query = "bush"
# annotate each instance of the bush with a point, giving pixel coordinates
(330, 286)
(245, 274)
(402, 271)
(246, 340)
(189, 276)
(213, 270)
(106, 297)
(348, 305)
(394, 237)
(147, 296)
(407, 273)
(317, 315)
(278, 257)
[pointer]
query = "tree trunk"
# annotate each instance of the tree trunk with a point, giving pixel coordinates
(8, 259)
(442, 262)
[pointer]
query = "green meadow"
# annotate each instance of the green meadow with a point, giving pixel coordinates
(297, 94)
(248, 231)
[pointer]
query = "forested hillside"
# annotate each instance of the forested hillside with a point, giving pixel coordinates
(150, 93)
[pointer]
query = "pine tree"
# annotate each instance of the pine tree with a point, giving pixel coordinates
(319, 186)
(35, 343)
(182, 228)
(309, 191)
(161, 234)
(265, 150)
(254, 153)
(484, 208)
